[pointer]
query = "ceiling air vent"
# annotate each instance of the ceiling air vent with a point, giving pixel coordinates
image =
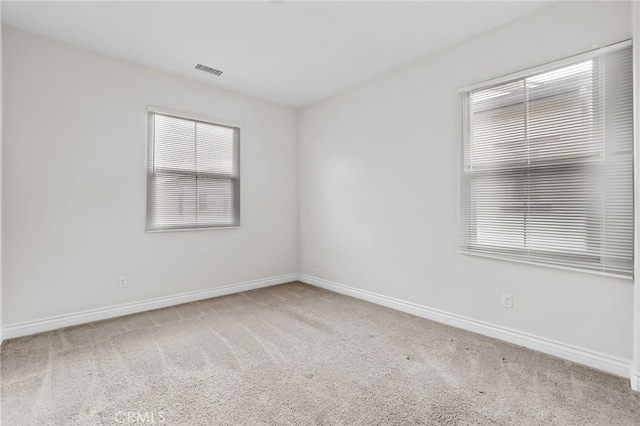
(208, 69)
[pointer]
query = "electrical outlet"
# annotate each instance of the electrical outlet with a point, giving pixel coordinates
(507, 300)
(123, 281)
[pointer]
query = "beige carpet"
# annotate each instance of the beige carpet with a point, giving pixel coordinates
(295, 355)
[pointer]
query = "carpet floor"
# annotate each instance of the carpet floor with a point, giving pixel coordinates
(295, 355)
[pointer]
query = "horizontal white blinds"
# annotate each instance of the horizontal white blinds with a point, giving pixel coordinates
(193, 174)
(547, 174)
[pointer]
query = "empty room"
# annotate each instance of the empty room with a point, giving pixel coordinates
(285, 212)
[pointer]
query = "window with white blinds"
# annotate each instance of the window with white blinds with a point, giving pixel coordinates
(547, 168)
(193, 178)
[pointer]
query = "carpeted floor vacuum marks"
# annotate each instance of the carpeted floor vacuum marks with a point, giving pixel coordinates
(295, 355)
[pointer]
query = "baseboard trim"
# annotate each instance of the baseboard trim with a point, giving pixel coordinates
(614, 365)
(618, 366)
(635, 380)
(60, 321)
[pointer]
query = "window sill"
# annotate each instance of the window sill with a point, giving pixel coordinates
(208, 228)
(548, 265)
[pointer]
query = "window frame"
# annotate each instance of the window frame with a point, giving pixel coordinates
(150, 151)
(513, 254)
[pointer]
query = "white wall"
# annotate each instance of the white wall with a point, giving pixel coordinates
(635, 367)
(378, 188)
(75, 184)
(1, 149)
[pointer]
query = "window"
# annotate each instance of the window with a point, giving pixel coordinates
(547, 167)
(193, 176)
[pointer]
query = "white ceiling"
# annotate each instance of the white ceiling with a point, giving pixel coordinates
(289, 52)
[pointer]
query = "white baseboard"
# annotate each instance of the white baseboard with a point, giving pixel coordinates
(52, 323)
(635, 380)
(618, 366)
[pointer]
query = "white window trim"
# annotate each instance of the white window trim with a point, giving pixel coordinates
(189, 116)
(197, 117)
(548, 66)
(540, 69)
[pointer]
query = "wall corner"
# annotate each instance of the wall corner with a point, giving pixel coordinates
(635, 365)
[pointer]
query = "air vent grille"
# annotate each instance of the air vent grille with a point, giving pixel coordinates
(208, 69)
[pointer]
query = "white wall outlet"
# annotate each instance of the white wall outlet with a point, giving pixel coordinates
(315, 261)
(507, 300)
(123, 281)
